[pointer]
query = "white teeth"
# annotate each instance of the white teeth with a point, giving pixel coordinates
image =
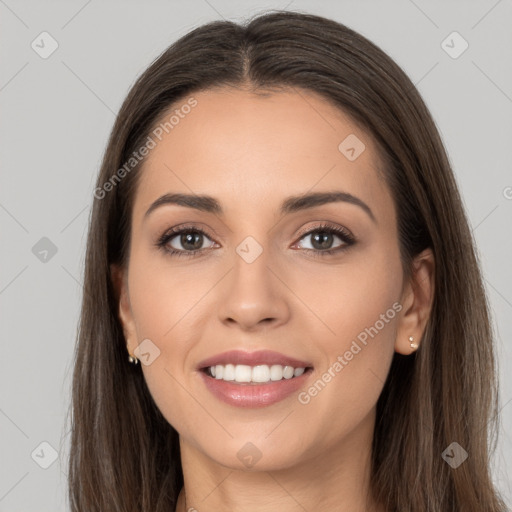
(243, 373)
(229, 372)
(260, 373)
(288, 372)
(298, 372)
(276, 372)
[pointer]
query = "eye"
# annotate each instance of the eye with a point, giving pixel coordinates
(322, 238)
(184, 241)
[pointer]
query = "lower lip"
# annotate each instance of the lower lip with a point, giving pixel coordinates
(254, 395)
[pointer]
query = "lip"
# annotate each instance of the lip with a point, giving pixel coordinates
(254, 395)
(258, 357)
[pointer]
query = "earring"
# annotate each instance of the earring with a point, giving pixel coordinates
(413, 345)
(132, 359)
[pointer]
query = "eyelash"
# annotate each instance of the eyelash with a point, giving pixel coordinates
(342, 233)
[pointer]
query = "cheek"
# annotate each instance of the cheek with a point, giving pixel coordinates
(168, 305)
(165, 299)
(352, 298)
(358, 308)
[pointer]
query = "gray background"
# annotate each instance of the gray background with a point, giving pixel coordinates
(56, 117)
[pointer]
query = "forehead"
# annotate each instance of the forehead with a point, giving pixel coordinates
(250, 150)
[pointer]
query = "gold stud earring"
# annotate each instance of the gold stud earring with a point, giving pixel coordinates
(413, 345)
(132, 359)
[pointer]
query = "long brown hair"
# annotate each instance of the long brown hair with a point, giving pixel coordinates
(124, 454)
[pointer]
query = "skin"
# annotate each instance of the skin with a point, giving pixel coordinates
(251, 152)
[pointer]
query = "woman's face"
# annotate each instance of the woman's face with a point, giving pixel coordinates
(263, 279)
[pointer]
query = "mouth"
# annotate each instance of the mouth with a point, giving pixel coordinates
(254, 375)
(256, 379)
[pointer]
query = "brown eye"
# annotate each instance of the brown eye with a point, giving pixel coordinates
(321, 240)
(189, 240)
(323, 237)
(184, 242)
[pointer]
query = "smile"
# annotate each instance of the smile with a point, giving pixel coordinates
(249, 393)
(242, 373)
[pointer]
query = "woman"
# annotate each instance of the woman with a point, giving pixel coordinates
(282, 304)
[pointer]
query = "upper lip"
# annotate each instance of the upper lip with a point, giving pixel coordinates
(267, 357)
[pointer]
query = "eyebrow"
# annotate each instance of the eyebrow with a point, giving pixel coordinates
(290, 205)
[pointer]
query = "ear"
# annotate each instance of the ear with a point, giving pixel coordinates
(417, 299)
(120, 284)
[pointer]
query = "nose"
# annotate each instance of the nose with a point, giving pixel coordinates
(253, 295)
